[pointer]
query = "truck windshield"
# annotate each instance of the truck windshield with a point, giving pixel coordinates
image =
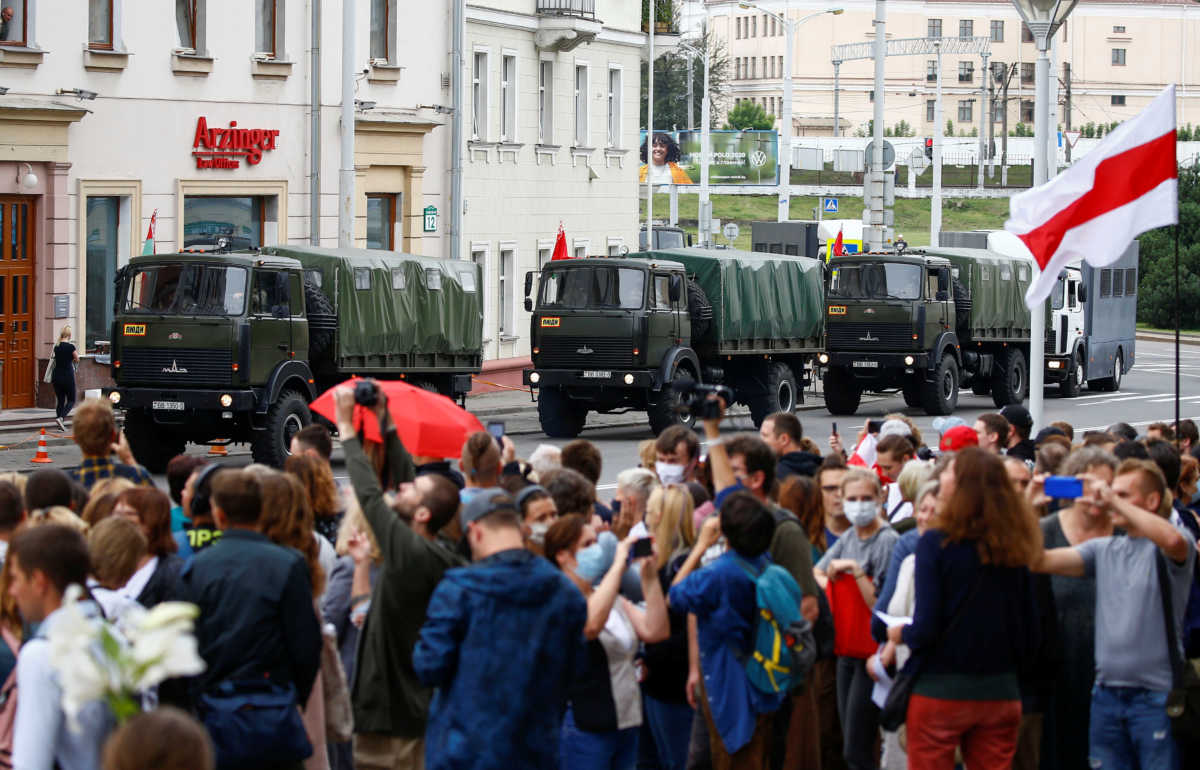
(593, 287)
(876, 280)
(186, 289)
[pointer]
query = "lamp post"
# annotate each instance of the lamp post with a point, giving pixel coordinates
(1043, 17)
(705, 213)
(785, 140)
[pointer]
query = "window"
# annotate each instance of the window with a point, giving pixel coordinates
(661, 295)
(997, 31)
(580, 250)
(737, 68)
(1106, 280)
(1118, 283)
(1026, 110)
(108, 245)
(965, 109)
(985, 273)
(381, 221)
(208, 218)
(187, 21)
(380, 21)
(1130, 281)
(966, 71)
(737, 28)
(934, 29)
(433, 279)
(930, 107)
(1026, 33)
(398, 279)
(1117, 100)
(753, 26)
(772, 26)
(507, 327)
(1022, 273)
(999, 71)
(466, 279)
(966, 28)
(1118, 30)
(508, 98)
(614, 107)
(931, 71)
(997, 112)
(753, 67)
(264, 27)
(581, 105)
(100, 24)
(546, 102)
(1118, 57)
(270, 296)
(479, 103)
(1026, 73)
(362, 278)
(544, 253)
(13, 30)
(315, 277)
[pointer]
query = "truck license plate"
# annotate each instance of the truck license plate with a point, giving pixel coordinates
(866, 364)
(595, 374)
(174, 405)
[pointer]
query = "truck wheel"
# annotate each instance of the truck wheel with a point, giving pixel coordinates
(842, 393)
(782, 393)
(941, 395)
(560, 416)
(912, 392)
(1011, 384)
(1109, 384)
(285, 418)
(153, 445)
(1071, 386)
(667, 411)
(700, 310)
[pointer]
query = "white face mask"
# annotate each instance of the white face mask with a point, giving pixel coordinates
(537, 532)
(860, 512)
(670, 473)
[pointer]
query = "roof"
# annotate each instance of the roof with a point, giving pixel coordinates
(244, 258)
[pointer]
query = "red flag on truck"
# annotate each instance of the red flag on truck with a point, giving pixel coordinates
(560, 245)
(838, 249)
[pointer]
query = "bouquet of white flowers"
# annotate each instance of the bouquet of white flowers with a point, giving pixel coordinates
(96, 660)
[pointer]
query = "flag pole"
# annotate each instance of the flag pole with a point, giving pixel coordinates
(1177, 324)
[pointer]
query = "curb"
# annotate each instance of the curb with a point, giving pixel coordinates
(1184, 339)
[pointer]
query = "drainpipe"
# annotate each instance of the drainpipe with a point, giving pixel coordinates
(346, 167)
(314, 153)
(456, 130)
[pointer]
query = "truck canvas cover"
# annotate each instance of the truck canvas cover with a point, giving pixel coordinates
(398, 310)
(761, 302)
(996, 285)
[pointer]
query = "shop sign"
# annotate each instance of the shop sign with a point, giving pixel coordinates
(227, 147)
(430, 219)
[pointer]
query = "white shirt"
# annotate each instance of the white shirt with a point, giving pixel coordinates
(660, 174)
(895, 498)
(133, 589)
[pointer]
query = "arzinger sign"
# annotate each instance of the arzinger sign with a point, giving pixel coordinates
(226, 147)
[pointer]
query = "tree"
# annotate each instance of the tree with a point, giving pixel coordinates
(749, 114)
(949, 128)
(670, 84)
(1156, 271)
(903, 129)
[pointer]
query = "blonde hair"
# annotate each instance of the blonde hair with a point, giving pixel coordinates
(58, 514)
(675, 530)
(647, 454)
(65, 334)
(18, 480)
(355, 520)
(116, 545)
(912, 478)
(856, 475)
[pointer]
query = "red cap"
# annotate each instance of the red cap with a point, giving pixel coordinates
(958, 437)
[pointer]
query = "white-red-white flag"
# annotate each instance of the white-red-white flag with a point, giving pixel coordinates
(1092, 211)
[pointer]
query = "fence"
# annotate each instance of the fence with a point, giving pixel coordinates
(585, 8)
(957, 171)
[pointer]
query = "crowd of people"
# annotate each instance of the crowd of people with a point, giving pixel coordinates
(991, 599)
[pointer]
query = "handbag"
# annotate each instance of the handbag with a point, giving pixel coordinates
(1183, 702)
(851, 619)
(49, 375)
(895, 707)
(339, 714)
(253, 722)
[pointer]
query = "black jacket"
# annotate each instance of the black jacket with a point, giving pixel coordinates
(163, 584)
(1024, 450)
(256, 612)
(797, 463)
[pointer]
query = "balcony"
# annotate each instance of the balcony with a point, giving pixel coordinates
(966, 77)
(564, 25)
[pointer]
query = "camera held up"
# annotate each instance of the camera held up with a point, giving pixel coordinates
(366, 393)
(693, 398)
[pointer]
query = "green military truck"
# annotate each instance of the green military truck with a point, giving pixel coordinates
(926, 322)
(617, 334)
(219, 347)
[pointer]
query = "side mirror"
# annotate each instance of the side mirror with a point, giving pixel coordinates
(528, 305)
(675, 288)
(1081, 292)
(943, 281)
(528, 283)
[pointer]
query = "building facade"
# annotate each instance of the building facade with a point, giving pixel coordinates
(1120, 54)
(551, 139)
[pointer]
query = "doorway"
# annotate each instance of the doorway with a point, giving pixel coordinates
(17, 378)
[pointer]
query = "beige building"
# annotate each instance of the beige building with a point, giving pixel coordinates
(1121, 53)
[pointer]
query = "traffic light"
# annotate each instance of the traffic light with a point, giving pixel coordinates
(929, 147)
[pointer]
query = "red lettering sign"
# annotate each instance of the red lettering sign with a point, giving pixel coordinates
(226, 147)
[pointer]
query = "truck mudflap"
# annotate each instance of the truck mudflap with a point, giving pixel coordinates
(638, 379)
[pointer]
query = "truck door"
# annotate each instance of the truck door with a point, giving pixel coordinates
(663, 320)
(938, 296)
(1074, 315)
(1059, 323)
(270, 323)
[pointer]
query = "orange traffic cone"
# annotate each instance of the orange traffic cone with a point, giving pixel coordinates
(42, 455)
(217, 450)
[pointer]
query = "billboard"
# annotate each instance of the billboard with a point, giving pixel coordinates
(738, 157)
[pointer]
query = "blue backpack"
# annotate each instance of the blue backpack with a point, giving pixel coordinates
(784, 647)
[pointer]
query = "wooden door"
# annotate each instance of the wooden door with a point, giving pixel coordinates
(17, 370)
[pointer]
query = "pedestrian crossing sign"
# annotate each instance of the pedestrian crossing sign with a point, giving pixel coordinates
(829, 205)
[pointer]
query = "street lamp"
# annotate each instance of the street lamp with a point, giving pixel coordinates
(785, 143)
(1043, 17)
(705, 213)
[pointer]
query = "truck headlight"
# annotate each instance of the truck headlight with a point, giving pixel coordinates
(909, 360)
(1054, 364)
(823, 358)
(629, 379)
(115, 397)
(226, 400)
(535, 378)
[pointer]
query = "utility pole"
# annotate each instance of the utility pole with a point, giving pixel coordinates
(991, 125)
(690, 98)
(1008, 74)
(983, 116)
(837, 65)
(346, 163)
(785, 145)
(935, 212)
(1067, 106)
(873, 234)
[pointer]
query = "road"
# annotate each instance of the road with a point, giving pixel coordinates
(1146, 396)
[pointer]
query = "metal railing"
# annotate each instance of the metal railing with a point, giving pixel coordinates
(583, 8)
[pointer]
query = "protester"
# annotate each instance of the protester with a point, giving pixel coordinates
(196, 500)
(1123, 431)
(1067, 429)
(1050, 459)
(1189, 436)
(677, 455)
(46, 488)
(103, 499)
(313, 440)
(545, 458)
(514, 610)
(481, 463)
(892, 454)
(572, 493)
(802, 496)
(634, 486)
(1129, 725)
(993, 431)
(12, 513)
(1160, 431)
(316, 477)
(95, 431)
(116, 546)
(157, 579)
(163, 739)
(44, 561)
(1021, 423)
(971, 626)
(538, 513)
(179, 470)
(783, 433)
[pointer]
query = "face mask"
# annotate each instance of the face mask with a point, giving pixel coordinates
(860, 512)
(537, 532)
(670, 473)
(593, 562)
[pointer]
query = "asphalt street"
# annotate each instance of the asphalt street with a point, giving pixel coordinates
(1146, 396)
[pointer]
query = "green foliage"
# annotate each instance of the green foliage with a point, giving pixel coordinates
(750, 115)
(670, 85)
(1021, 130)
(1156, 271)
(664, 12)
(903, 129)
(1185, 133)
(975, 131)
(949, 128)
(1089, 130)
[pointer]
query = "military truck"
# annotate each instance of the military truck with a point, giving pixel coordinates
(926, 322)
(619, 334)
(232, 347)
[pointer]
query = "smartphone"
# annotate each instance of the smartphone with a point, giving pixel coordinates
(641, 548)
(496, 428)
(834, 431)
(874, 426)
(1064, 487)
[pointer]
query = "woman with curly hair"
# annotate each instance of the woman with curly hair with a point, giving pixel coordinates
(665, 157)
(317, 479)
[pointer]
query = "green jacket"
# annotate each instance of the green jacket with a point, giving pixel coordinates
(387, 696)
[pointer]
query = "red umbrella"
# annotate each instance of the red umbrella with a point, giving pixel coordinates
(429, 424)
(560, 245)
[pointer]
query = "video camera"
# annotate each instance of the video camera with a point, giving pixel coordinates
(366, 393)
(693, 398)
